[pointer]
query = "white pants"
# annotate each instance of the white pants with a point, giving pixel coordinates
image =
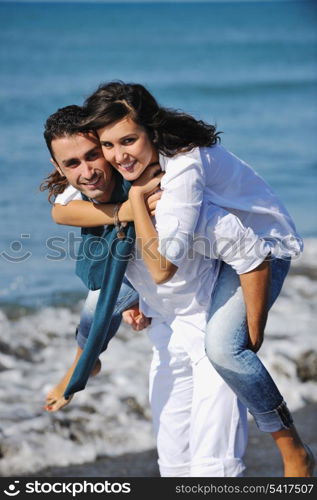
(200, 425)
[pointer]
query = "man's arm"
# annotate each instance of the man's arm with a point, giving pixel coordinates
(83, 213)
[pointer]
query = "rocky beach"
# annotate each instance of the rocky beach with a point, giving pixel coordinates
(106, 429)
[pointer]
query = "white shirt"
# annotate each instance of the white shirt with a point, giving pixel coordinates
(196, 185)
(69, 194)
(185, 298)
(219, 233)
(189, 191)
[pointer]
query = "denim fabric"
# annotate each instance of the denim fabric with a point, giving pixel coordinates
(127, 297)
(226, 348)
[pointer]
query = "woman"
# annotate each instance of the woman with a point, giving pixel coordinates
(134, 131)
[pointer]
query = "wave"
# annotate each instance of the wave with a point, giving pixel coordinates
(244, 87)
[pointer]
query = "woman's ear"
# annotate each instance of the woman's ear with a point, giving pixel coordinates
(153, 135)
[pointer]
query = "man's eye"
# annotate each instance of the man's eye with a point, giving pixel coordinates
(93, 156)
(72, 165)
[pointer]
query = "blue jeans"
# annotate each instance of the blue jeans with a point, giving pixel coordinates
(226, 348)
(127, 297)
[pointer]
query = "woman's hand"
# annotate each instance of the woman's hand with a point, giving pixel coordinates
(151, 201)
(256, 288)
(126, 213)
(256, 337)
(148, 182)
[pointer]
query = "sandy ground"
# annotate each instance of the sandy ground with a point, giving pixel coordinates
(262, 458)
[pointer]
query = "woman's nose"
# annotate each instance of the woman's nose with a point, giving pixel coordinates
(120, 154)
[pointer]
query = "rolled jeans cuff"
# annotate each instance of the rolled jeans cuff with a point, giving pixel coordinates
(275, 420)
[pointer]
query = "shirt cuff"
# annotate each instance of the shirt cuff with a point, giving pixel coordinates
(246, 253)
(221, 235)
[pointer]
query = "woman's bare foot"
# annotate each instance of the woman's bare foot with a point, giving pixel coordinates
(298, 458)
(55, 398)
(301, 465)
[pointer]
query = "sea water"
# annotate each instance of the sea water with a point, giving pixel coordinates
(249, 67)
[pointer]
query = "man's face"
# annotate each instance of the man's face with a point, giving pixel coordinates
(79, 158)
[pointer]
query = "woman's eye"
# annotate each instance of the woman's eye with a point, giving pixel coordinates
(129, 140)
(106, 144)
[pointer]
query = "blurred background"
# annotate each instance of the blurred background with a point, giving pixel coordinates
(250, 67)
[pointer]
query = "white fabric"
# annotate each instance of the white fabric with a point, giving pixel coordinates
(70, 194)
(223, 236)
(186, 295)
(208, 424)
(220, 235)
(217, 177)
(201, 427)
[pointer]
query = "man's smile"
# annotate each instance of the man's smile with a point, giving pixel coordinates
(93, 182)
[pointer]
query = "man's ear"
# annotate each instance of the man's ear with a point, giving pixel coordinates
(57, 167)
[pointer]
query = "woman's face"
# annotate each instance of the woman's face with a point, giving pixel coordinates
(127, 146)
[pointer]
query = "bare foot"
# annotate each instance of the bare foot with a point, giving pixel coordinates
(301, 465)
(55, 398)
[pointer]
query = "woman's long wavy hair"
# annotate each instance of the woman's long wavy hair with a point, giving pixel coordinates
(64, 122)
(171, 131)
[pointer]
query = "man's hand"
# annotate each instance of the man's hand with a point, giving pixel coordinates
(136, 319)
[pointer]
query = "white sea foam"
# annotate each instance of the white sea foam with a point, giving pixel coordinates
(112, 415)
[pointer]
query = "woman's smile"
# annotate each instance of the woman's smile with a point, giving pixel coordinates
(127, 146)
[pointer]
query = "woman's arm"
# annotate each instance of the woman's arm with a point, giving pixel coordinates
(178, 211)
(160, 268)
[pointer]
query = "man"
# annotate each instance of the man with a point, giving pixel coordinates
(79, 162)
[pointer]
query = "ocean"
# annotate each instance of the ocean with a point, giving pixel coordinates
(248, 67)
